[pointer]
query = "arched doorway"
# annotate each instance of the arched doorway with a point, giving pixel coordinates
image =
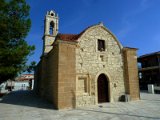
(103, 91)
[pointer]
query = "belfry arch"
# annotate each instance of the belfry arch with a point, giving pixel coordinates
(51, 28)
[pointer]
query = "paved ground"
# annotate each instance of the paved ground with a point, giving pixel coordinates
(23, 105)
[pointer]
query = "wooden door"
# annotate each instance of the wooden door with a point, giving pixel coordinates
(103, 89)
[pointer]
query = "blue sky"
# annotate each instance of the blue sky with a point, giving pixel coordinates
(136, 23)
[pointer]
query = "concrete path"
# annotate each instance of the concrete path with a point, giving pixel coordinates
(24, 105)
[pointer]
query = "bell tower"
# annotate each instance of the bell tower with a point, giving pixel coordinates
(50, 30)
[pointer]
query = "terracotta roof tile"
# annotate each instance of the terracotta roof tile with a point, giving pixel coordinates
(68, 37)
(72, 37)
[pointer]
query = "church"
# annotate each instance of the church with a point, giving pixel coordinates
(78, 70)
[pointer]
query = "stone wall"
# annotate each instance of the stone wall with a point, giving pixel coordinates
(39, 77)
(66, 75)
(131, 73)
(55, 74)
(90, 63)
(47, 76)
(51, 75)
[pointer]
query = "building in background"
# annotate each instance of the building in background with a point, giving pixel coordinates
(24, 82)
(85, 69)
(3, 89)
(149, 71)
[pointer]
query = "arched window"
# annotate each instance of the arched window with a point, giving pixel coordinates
(51, 28)
(52, 14)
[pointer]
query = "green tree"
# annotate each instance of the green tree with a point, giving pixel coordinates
(31, 68)
(14, 27)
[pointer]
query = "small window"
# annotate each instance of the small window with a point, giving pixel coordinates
(101, 45)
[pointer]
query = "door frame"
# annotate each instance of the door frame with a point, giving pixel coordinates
(109, 86)
(106, 86)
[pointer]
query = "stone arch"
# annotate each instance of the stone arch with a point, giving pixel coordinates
(109, 85)
(104, 28)
(51, 27)
(52, 13)
(103, 88)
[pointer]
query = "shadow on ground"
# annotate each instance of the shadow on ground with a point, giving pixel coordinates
(26, 98)
(121, 114)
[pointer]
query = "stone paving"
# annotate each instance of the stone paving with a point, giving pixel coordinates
(24, 105)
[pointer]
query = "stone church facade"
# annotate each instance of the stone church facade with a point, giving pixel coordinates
(84, 69)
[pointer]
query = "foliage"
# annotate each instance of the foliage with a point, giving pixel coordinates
(31, 68)
(14, 26)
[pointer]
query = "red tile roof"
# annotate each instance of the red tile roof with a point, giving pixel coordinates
(68, 37)
(72, 37)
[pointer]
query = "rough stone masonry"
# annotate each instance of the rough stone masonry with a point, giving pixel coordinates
(84, 69)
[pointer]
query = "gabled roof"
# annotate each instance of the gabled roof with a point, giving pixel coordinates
(75, 37)
(72, 37)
